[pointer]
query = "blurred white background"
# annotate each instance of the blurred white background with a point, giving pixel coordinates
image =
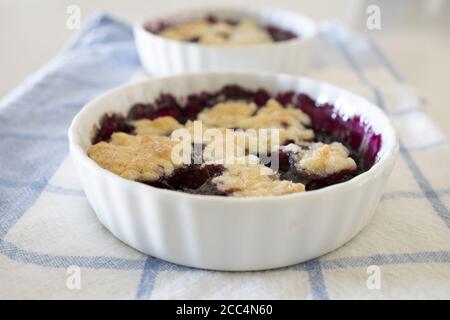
(415, 34)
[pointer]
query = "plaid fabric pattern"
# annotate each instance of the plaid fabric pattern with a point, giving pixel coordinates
(46, 224)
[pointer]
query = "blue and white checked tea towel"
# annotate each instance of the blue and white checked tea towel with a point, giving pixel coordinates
(46, 224)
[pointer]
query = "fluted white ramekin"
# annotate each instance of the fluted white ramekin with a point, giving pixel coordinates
(162, 56)
(226, 233)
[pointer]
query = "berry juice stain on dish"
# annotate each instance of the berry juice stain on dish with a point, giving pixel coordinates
(317, 147)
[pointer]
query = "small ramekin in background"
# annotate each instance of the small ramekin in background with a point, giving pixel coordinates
(163, 56)
(226, 233)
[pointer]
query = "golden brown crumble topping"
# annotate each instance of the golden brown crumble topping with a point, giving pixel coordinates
(231, 145)
(162, 126)
(228, 114)
(239, 141)
(247, 180)
(147, 156)
(290, 121)
(282, 114)
(323, 159)
(239, 114)
(246, 32)
(144, 157)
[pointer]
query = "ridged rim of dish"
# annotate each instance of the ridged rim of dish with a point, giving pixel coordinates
(388, 155)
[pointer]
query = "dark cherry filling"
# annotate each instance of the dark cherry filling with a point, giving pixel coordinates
(157, 27)
(110, 124)
(277, 34)
(192, 179)
(141, 111)
(288, 171)
(328, 125)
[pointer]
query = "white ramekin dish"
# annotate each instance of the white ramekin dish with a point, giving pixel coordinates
(225, 233)
(162, 56)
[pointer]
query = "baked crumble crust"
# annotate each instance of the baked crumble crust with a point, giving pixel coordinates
(162, 126)
(139, 146)
(290, 121)
(247, 180)
(239, 141)
(240, 114)
(146, 157)
(229, 114)
(223, 33)
(322, 159)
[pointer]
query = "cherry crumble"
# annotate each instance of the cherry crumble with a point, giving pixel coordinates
(212, 30)
(318, 147)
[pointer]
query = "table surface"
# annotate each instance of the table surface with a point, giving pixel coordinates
(415, 36)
